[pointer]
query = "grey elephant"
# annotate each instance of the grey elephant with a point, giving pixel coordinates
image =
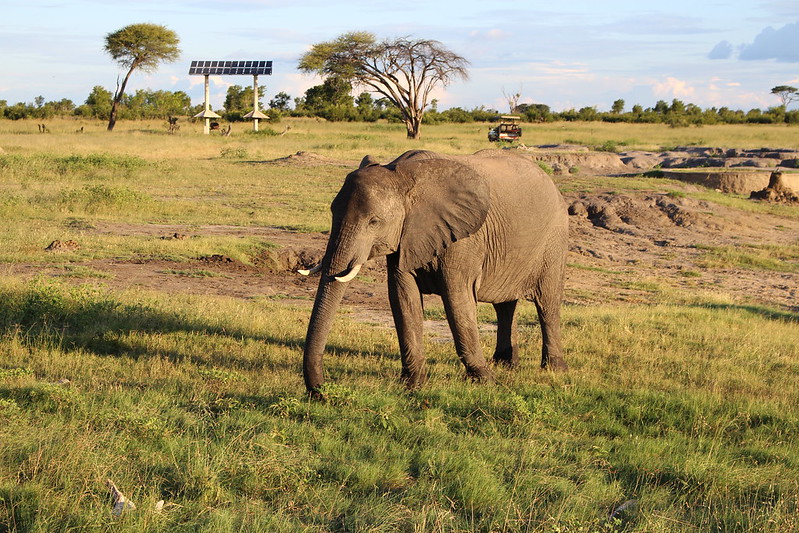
(490, 227)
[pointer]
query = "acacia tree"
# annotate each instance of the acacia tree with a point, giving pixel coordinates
(139, 46)
(786, 93)
(402, 70)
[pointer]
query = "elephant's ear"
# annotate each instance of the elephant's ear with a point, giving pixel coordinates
(449, 201)
(368, 161)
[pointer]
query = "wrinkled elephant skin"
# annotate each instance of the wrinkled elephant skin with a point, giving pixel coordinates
(490, 227)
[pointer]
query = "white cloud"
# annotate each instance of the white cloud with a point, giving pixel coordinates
(673, 88)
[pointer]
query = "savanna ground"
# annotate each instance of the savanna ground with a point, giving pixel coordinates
(158, 344)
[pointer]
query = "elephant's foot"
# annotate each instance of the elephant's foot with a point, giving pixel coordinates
(506, 358)
(557, 364)
(414, 380)
(481, 374)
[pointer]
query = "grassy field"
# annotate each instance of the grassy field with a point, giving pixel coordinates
(684, 413)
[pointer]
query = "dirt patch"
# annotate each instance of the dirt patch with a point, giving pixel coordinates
(623, 248)
(310, 159)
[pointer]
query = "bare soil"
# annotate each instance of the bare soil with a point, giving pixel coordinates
(625, 247)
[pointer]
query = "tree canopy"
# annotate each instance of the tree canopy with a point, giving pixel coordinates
(786, 93)
(403, 70)
(139, 46)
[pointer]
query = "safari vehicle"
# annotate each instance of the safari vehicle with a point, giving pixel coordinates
(508, 129)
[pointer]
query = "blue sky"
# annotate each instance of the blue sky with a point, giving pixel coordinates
(566, 54)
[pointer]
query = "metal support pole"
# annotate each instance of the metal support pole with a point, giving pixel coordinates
(255, 102)
(207, 127)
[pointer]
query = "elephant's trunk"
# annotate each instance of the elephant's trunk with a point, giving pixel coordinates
(337, 268)
(328, 298)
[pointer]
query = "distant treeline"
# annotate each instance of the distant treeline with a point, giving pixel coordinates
(333, 101)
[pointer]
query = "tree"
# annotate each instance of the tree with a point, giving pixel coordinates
(238, 101)
(332, 100)
(513, 101)
(367, 111)
(280, 102)
(97, 105)
(618, 106)
(786, 93)
(139, 46)
(402, 70)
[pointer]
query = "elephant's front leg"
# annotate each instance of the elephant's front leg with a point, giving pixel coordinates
(406, 306)
(460, 304)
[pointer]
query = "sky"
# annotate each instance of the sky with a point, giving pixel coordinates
(567, 54)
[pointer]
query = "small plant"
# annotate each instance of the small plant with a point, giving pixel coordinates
(337, 394)
(519, 407)
(546, 168)
(264, 132)
(233, 153)
(8, 408)
(608, 146)
(286, 406)
(15, 372)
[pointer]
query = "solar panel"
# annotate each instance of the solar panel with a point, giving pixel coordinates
(220, 68)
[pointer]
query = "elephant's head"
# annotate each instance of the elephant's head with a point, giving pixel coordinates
(415, 207)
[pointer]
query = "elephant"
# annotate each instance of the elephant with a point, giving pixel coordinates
(489, 227)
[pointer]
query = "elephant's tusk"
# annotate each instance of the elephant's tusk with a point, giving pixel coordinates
(349, 276)
(308, 272)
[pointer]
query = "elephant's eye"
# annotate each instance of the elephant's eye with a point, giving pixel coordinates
(374, 221)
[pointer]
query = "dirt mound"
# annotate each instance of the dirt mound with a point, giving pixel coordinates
(570, 159)
(580, 159)
(715, 157)
(309, 159)
(639, 216)
(776, 191)
(288, 259)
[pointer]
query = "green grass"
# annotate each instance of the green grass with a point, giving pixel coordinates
(687, 406)
(763, 257)
(198, 402)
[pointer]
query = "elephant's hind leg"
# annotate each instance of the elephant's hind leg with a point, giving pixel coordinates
(507, 350)
(548, 301)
